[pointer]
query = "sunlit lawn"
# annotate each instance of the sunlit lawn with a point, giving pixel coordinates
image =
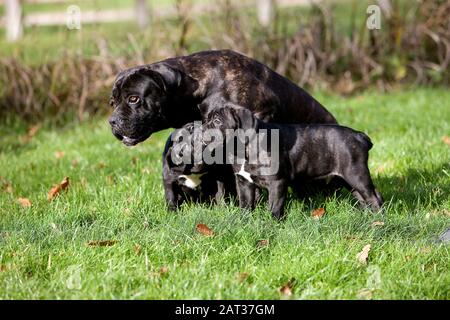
(116, 194)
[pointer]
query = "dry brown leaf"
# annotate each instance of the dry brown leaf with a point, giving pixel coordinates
(446, 140)
(33, 130)
(30, 134)
(6, 185)
(242, 276)
(74, 163)
(204, 229)
(365, 294)
(101, 165)
(262, 243)
(59, 154)
(318, 213)
(163, 270)
(364, 254)
(101, 243)
(56, 189)
(286, 289)
(9, 189)
(377, 224)
(24, 202)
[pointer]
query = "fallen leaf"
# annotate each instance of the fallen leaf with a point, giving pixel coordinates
(30, 134)
(24, 202)
(377, 224)
(163, 270)
(101, 165)
(5, 185)
(242, 276)
(74, 163)
(204, 229)
(59, 154)
(446, 140)
(102, 243)
(286, 289)
(137, 249)
(318, 213)
(33, 130)
(364, 254)
(365, 294)
(262, 243)
(9, 189)
(56, 189)
(2, 268)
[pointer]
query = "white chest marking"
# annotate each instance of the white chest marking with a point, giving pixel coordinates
(193, 180)
(244, 174)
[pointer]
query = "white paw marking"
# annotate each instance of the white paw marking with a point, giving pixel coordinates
(193, 180)
(244, 174)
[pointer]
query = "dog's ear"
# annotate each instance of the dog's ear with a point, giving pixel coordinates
(166, 78)
(243, 117)
(169, 77)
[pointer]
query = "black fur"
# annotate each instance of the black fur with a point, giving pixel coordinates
(307, 152)
(217, 181)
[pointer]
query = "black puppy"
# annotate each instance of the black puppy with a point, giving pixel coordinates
(305, 152)
(186, 179)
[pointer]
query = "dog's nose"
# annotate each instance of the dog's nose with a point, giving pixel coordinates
(112, 121)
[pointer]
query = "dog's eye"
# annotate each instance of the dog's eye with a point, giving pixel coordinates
(111, 103)
(217, 121)
(133, 99)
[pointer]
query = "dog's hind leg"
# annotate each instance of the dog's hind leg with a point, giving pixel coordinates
(363, 189)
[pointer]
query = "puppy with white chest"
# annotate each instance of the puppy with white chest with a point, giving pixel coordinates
(186, 179)
(305, 153)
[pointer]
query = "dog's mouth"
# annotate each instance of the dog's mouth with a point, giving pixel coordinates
(129, 142)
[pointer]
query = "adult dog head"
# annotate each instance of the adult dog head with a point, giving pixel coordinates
(141, 98)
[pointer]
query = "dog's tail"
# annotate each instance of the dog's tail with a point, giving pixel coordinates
(363, 138)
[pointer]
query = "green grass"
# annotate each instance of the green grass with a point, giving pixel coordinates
(116, 194)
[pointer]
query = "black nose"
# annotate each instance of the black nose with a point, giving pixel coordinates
(112, 121)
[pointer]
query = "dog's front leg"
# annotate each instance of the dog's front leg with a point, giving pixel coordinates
(277, 198)
(173, 197)
(246, 193)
